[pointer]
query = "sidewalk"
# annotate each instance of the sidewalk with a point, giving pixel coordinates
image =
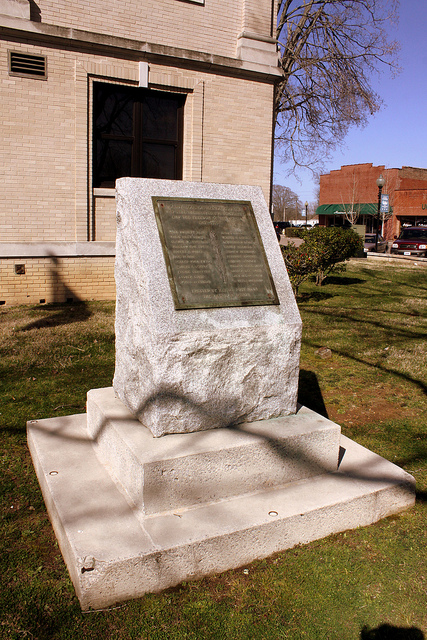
(391, 257)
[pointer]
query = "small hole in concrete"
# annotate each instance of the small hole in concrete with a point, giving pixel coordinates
(42, 301)
(2, 301)
(53, 473)
(70, 300)
(273, 514)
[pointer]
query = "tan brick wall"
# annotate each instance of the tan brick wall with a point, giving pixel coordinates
(46, 146)
(57, 280)
(236, 143)
(238, 132)
(212, 28)
(105, 219)
(37, 150)
(257, 17)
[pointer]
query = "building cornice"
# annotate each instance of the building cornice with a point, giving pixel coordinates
(53, 35)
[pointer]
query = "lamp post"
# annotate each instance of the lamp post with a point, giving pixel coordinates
(380, 184)
(306, 210)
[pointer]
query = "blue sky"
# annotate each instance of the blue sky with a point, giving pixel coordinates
(396, 135)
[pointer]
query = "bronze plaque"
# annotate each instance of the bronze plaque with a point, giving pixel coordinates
(214, 253)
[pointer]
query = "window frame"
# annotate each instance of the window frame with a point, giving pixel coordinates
(138, 138)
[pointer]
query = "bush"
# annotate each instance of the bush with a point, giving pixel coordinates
(324, 251)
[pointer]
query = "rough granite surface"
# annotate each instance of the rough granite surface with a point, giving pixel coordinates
(189, 370)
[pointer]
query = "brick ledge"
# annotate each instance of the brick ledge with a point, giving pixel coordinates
(58, 249)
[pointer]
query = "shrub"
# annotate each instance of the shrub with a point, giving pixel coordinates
(324, 251)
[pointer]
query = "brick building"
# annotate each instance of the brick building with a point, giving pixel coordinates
(353, 188)
(91, 91)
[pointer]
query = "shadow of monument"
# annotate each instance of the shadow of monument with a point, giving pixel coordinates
(421, 496)
(389, 632)
(310, 394)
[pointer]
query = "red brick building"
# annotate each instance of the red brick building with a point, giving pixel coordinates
(350, 194)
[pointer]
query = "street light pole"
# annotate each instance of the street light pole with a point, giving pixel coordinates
(380, 184)
(306, 210)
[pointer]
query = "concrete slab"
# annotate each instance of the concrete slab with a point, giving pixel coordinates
(114, 552)
(178, 470)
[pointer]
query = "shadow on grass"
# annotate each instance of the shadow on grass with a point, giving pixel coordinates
(343, 280)
(389, 632)
(403, 334)
(421, 496)
(316, 296)
(417, 281)
(59, 314)
(320, 294)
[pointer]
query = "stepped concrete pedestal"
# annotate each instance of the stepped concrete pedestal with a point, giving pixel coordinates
(136, 514)
(199, 460)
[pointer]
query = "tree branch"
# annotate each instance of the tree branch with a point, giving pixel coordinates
(329, 52)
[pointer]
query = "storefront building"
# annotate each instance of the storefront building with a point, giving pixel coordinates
(350, 195)
(90, 91)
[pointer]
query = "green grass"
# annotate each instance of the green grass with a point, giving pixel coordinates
(373, 319)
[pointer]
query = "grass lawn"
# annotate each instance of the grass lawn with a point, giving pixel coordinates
(372, 318)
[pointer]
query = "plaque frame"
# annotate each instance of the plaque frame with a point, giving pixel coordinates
(267, 294)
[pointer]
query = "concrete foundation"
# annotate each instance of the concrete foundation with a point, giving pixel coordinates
(136, 514)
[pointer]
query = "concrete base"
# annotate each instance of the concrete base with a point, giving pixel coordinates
(120, 538)
(184, 469)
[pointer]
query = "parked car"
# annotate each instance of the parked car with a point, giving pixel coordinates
(370, 241)
(411, 242)
(279, 227)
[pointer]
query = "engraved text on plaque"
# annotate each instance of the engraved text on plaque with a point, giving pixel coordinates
(214, 253)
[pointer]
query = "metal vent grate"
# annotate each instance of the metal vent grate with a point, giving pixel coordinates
(25, 64)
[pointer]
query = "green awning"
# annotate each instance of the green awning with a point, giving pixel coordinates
(363, 209)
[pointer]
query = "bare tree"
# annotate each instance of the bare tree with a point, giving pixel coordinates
(286, 204)
(329, 53)
(317, 191)
(351, 205)
(312, 206)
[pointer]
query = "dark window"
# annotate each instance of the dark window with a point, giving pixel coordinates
(137, 133)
